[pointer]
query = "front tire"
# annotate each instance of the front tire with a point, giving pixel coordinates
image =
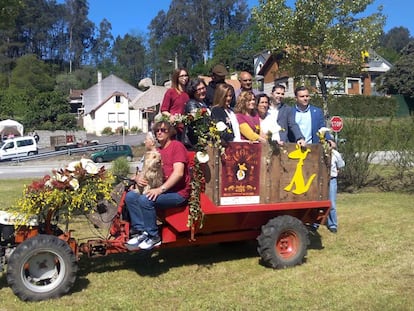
(42, 267)
(99, 160)
(283, 242)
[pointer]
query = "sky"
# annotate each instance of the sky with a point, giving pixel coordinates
(134, 16)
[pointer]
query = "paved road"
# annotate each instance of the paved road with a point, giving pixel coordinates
(39, 168)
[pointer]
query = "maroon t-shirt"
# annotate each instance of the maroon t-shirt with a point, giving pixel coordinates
(174, 102)
(173, 153)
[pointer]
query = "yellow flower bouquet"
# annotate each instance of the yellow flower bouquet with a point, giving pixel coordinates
(73, 190)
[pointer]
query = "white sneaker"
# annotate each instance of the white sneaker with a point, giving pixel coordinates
(150, 242)
(137, 240)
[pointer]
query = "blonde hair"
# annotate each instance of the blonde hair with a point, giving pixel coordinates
(220, 94)
(242, 100)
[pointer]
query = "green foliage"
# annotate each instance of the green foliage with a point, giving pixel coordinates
(32, 75)
(400, 78)
(358, 106)
(314, 33)
(48, 111)
(362, 106)
(107, 131)
(120, 167)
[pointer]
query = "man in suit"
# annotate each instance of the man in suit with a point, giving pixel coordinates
(309, 118)
(283, 114)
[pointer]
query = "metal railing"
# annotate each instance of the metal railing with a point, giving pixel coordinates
(68, 151)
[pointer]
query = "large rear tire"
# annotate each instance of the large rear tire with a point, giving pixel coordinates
(283, 242)
(42, 267)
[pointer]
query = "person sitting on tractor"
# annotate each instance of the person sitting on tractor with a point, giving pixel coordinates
(174, 192)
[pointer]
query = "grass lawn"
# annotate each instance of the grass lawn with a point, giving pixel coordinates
(367, 265)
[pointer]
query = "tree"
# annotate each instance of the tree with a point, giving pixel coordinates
(129, 53)
(393, 42)
(32, 75)
(315, 32)
(49, 111)
(400, 78)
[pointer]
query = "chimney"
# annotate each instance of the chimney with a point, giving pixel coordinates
(99, 76)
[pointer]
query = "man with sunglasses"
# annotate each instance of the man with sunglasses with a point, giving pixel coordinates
(175, 190)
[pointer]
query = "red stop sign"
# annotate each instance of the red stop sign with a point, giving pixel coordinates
(337, 124)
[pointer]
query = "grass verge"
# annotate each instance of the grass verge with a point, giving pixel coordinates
(368, 265)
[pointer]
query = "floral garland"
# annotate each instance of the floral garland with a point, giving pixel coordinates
(207, 132)
(75, 189)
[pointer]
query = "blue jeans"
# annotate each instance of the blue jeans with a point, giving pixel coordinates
(333, 187)
(142, 210)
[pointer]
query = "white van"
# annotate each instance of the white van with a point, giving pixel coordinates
(18, 147)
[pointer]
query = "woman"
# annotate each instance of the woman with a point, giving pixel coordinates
(175, 190)
(175, 97)
(248, 118)
(268, 119)
(197, 90)
(221, 112)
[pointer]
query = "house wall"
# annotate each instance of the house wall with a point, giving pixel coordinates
(113, 114)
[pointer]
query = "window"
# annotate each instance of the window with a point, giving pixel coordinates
(121, 117)
(117, 99)
(111, 117)
(26, 142)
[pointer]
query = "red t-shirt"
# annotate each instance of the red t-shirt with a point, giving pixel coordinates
(174, 101)
(173, 153)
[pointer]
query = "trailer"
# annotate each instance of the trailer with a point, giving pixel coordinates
(252, 192)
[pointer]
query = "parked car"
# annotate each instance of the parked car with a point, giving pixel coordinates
(18, 147)
(112, 152)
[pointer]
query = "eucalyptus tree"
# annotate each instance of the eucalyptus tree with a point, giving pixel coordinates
(101, 51)
(314, 33)
(79, 32)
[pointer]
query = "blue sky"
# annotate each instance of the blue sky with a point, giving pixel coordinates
(134, 16)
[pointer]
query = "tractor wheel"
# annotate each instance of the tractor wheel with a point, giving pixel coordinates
(283, 242)
(42, 267)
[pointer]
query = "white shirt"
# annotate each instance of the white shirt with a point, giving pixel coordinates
(336, 163)
(234, 123)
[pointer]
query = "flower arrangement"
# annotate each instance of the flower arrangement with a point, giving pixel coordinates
(75, 189)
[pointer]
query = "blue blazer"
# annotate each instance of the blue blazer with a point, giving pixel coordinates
(291, 131)
(318, 121)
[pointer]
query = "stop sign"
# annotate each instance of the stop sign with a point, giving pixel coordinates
(337, 124)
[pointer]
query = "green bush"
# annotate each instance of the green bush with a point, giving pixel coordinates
(120, 167)
(107, 131)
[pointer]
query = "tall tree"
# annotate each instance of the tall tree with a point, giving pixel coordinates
(400, 78)
(316, 31)
(392, 42)
(129, 53)
(80, 31)
(102, 45)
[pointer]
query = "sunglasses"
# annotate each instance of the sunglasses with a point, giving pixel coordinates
(161, 130)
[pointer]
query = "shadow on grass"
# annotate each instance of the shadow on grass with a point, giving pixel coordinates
(158, 261)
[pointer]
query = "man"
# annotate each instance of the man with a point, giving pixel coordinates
(309, 118)
(286, 120)
(246, 83)
(218, 76)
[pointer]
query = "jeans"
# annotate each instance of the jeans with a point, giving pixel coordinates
(142, 210)
(333, 187)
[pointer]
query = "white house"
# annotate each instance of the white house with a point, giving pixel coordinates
(107, 104)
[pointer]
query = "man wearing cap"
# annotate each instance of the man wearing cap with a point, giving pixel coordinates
(218, 75)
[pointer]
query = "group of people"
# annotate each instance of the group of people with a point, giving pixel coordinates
(247, 116)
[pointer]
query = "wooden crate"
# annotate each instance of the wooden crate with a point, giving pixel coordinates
(253, 173)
